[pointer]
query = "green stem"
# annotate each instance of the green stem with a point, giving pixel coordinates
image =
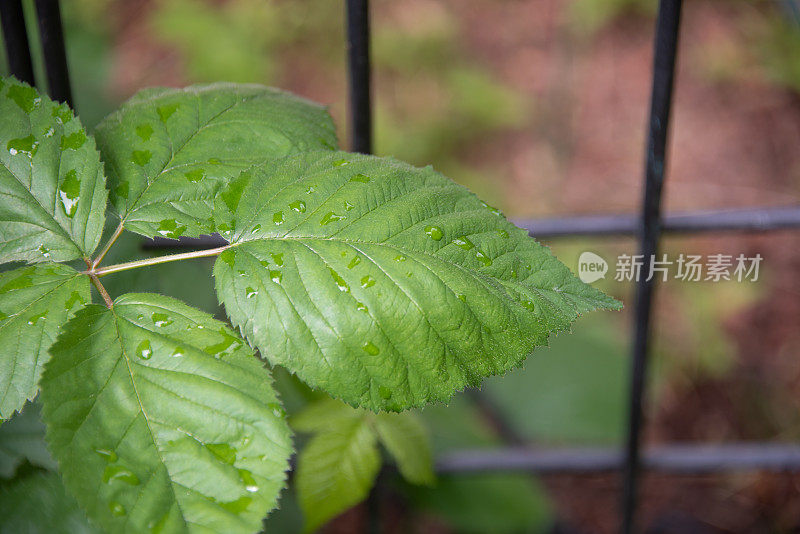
(102, 271)
(101, 290)
(111, 241)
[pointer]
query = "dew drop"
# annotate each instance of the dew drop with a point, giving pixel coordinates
(277, 257)
(340, 283)
(360, 306)
(50, 132)
(486, 261)
(117, 473)
(74, 298)
(228, 256)
(73, 141)
(195, 175)
(20, 282)
(399, 258)
(45, 252)
(255, 229)
(362, 178)
(331, 217)
(367, 281)
(355, 261)
(69, 193)
(434, 232)
(348, 206)
(227, 345)
(161, 319)
(116, 509)
(462, 298)
(34, 319)
(277, 409)
(463, 242)
(166, 111)
(141, 157)
(25, 97)
(250, 292)
(248, 480)
(144, 131)
(385, 392)
(144, 351)
(122, 190)
(170, 228)
(340, 163)
(238, 506)
(310, 190)
(371, 349)
(277, 218)
(224, 452)
(299, 206)
(24, 145)
(276, 276)
(502, 233)
(178, 352)
(492, 209)
(62, 114)
(107, 454)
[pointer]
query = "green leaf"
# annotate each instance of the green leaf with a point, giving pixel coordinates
(161, 418)
(406, 439)
(51, 180)
(336, 470)
(35, 301)
(386, 285)
(38, 503)
(168, 151)
(22, 438)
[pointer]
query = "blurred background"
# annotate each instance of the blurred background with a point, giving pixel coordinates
(539, 107)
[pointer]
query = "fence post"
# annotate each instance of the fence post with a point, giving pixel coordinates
(666, 43)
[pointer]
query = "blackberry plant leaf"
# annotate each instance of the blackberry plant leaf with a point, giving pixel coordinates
(162, 419)
(51, 180)
(22, 438)
(386, 285)
(168, 151)
(35, 301)
(406, 439)
(39, 503)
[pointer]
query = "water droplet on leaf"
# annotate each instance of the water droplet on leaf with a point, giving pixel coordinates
(299, 206)
(371, 349)
(331, 217)
(141, 157)
(367, 281)
(277, 218)
(434, 232)
(73, 141)
(144, 131)
(144, 351)
(69, 193)
(362, 178)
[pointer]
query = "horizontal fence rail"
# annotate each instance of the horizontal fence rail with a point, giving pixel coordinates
(675, 458)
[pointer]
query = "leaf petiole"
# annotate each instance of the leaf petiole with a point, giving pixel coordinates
(102, 271)
(111, 241)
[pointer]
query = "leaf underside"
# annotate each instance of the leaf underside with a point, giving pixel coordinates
(168, 151)
(35, 301)
(162, 419)
(386, 285)
(51, 180)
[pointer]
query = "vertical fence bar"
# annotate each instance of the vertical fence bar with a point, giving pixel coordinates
(666, 43)
(55, 55)
(15, 37)
(359, 76)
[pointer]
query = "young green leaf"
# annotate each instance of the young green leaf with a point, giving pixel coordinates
(330, 477)
(39, 503)
(162, 419)
(35, 301)
(336, 470)
(406, 439)
(22, 438)
(168, 151)
(386, 285)
(51, 180)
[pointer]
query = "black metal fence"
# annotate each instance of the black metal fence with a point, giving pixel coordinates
(647, 226)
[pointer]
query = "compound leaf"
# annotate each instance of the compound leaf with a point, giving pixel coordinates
(22, 438)
(168, 151)
(336, 469)
(386, 285)
(35, 301)
(162, 419)
(51, 180)
(39, 503)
